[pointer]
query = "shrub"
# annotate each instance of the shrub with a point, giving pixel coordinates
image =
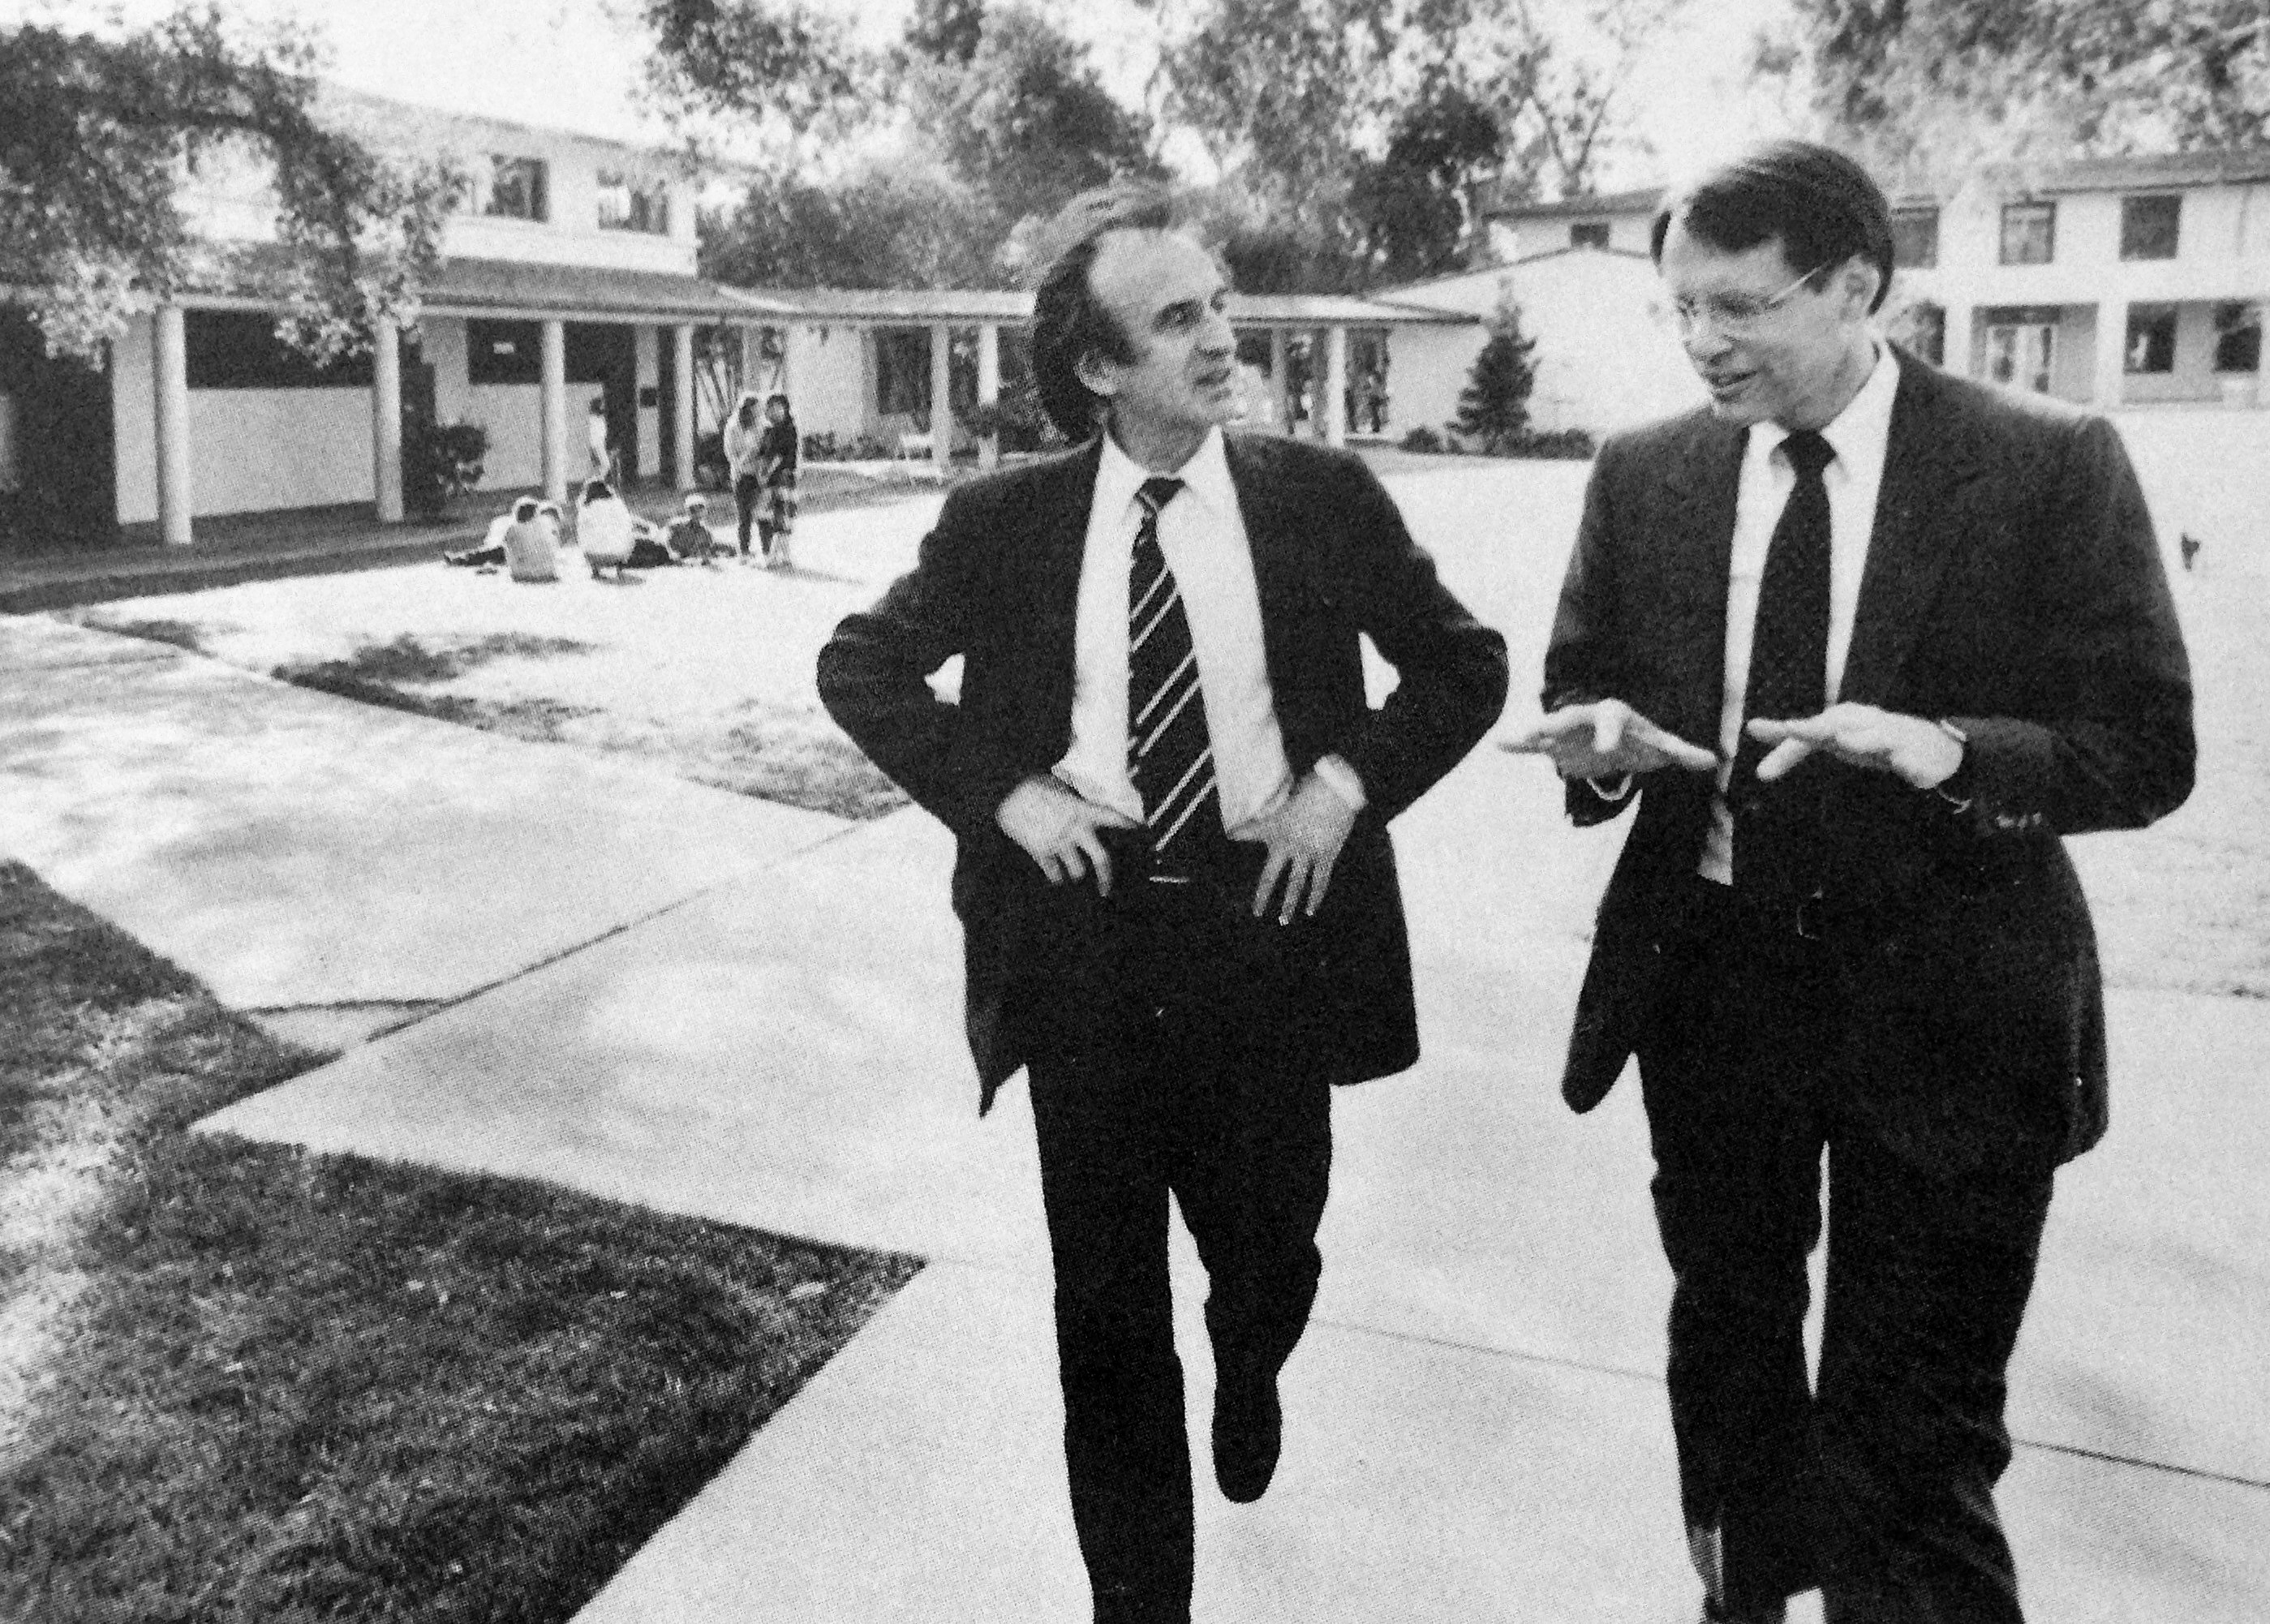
(1573, 444)
(820, 445)
(711, 470)
(1422, 438)
(439, 461)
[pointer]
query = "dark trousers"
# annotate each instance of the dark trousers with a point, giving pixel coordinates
(1876, 1481)
(1161, 1065)
(748, 492)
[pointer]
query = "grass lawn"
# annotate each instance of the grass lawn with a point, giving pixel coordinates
(241, 1382)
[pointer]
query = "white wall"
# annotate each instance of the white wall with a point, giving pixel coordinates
(254, 449)
(1604, 361)
(442, 340)
(828, 370)
(514, 415)
(134, 421)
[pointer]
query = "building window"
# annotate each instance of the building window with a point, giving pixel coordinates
(516, 189)
(2151, 338)
(628, 205)
(1923, 329)
(1589, 234)
(504, 352)
(2148, 227)
(2238, 338)
(902, 371)
(2029, 233)
(2022, 354)
(1915, 238)
(240, 350)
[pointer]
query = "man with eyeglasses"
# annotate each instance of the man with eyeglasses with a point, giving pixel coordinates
(1863, 642)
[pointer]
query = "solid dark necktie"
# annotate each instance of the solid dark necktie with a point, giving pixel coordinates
(1170, 756)
(1774, 823)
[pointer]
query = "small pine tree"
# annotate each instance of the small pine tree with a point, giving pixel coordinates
(1494, 407)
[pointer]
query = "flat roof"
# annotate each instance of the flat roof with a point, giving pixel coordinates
(885, 307)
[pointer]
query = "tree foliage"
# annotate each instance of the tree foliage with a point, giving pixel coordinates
(750, 62)
(1413, 205)
(1365, 126)
(101, 129)
(1024, 119)
(886, 227)
(1494, 407)
(1936, 85)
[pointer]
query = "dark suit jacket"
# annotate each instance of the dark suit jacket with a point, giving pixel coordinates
(2013, 587)
(997, 583)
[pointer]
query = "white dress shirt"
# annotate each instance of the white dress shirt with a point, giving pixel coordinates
(1203, 535)
(1858, 436)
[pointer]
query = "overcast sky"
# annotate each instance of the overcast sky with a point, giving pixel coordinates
(573, 62)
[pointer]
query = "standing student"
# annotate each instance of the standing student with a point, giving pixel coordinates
(776, 462)
(1863, 642)
(743, 445)
(1174, 874)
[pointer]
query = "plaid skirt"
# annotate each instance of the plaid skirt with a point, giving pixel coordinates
(777, 505)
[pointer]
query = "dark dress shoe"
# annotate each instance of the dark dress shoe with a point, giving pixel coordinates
(1249, 1430)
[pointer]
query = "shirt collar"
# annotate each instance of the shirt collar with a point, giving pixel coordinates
(1861, 432)
(1204, 477)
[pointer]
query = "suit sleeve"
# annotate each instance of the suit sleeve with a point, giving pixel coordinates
(874, 674)
(1450, 668)
(1580, 660)
(2102, 737)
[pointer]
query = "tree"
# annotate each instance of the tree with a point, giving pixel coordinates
(782, 68)
(947, 31)
(1413, 205)
(1494, 407)
(884, 226)
(1937, 85)
(99, 130)
(1023, 119)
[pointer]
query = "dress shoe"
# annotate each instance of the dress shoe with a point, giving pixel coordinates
(1249, 1430)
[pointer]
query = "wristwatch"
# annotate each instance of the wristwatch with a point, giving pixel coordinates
(1956, 788)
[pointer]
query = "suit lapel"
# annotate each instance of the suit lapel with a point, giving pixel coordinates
(1050, 540)
(1703, 485)
(1279, 565)
(1926, 464)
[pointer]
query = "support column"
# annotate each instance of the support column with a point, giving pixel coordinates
(941, 394)
(554, 391)
(1336, 378)
(2111, 352)
(386, 420)
(752, 363)
(1957, 358)
(172, 374)
(1280, 382)
(989, 387)
(681, 403)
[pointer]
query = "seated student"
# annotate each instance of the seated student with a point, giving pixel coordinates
(605, 529)
(688, 534)
(532, 546)
(491, 552)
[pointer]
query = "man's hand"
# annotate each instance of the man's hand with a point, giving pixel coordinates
(1921, 753)
(1304, 835)
(1607, 739)
(1058, 829)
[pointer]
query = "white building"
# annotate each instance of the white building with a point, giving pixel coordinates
(1605, 357)
(2126, 283)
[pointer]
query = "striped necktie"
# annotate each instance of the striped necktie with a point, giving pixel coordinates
(1170, 756)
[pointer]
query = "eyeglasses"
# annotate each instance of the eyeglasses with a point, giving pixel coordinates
(1732, 315)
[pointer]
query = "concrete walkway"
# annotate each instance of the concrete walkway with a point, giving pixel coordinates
(1475, 1424)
